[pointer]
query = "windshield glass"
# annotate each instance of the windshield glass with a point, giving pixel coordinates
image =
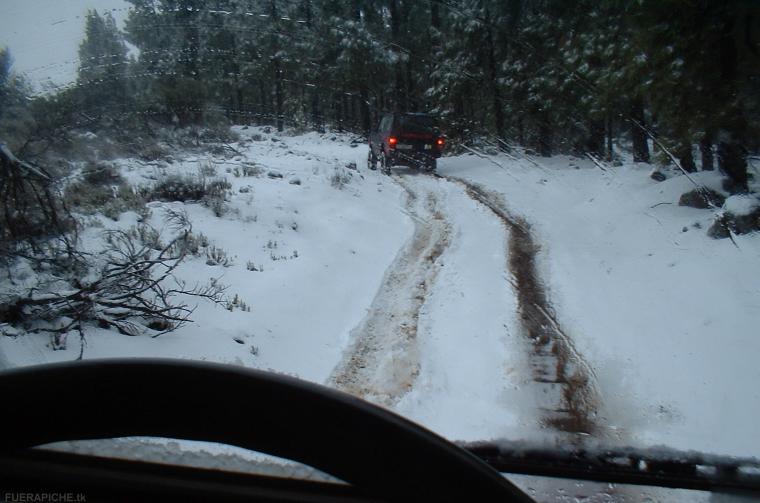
(576, 264)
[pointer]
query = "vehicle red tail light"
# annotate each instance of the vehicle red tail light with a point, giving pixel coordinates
(440, 142)
(392, 141)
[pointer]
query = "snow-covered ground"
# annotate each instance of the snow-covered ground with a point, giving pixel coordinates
(323, 250)
(665, 316)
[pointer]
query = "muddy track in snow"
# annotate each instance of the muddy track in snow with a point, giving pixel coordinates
(560, 373)
(382, 360)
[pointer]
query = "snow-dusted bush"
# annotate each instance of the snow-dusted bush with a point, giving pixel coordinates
(211, 191)
(207, 169)
(237, 303)
(146, 235)
(251, 266)
(340, 177)
(193, 244)
(216, 204)
(249, 169)
(86, 198)
(218, 256)
(150, 150)
(111, 201)
(101, 174)
(218, 130)
(100, 188)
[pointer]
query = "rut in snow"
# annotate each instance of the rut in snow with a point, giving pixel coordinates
(382, 360)
(559, 370)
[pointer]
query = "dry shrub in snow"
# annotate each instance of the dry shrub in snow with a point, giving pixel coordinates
(207, 169)
(217, 256)
(112, 201)
(101, 174)
(149, 150)
(340, 177)
(211, 192)
(100, 188)
(249, 169)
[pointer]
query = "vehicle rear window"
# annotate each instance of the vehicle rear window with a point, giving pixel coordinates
(417, 123)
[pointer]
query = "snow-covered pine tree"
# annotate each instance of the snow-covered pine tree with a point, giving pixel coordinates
(101, 75)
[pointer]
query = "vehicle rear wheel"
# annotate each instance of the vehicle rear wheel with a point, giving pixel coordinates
(371, 160)
(385, 164)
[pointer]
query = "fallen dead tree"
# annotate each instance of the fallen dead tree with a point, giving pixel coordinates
(135, 293)
(31, 213)
(129, 286)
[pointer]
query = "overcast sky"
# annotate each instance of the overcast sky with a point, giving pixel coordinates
(44, 35)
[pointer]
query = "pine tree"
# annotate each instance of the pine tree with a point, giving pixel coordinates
(101, 75)
(16, 120)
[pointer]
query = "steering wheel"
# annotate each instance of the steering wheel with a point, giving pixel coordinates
(357, 442)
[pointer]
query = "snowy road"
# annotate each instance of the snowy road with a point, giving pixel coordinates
(538, 301)
(383, 360)
(461, 335)
(462, 338)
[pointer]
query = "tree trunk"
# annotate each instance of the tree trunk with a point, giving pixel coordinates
(308, 13)
(732, 163)
(685, 158)
(595, 142)
(435, 16)
(346, 112)
(364, 107)
(264, 98)
(731, 153)
(638, 134)
(278, 94)
(337, 106)
(544, 138)
(315, 109)
(705, 149)
(610, 153)
(411, 102)
(498, 113)
(521, 129)
(399, 98)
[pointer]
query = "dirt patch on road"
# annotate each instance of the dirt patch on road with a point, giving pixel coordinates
(564, 377)
(382, 360)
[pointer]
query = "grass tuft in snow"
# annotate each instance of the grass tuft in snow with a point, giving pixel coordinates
(237, 303)
(218, 256)
(251, 266)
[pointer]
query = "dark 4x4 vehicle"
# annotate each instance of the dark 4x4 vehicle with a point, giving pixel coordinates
(406, 139)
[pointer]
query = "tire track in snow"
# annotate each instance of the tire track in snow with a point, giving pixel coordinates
(560, 372)
(381, 362)
(561, 375)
